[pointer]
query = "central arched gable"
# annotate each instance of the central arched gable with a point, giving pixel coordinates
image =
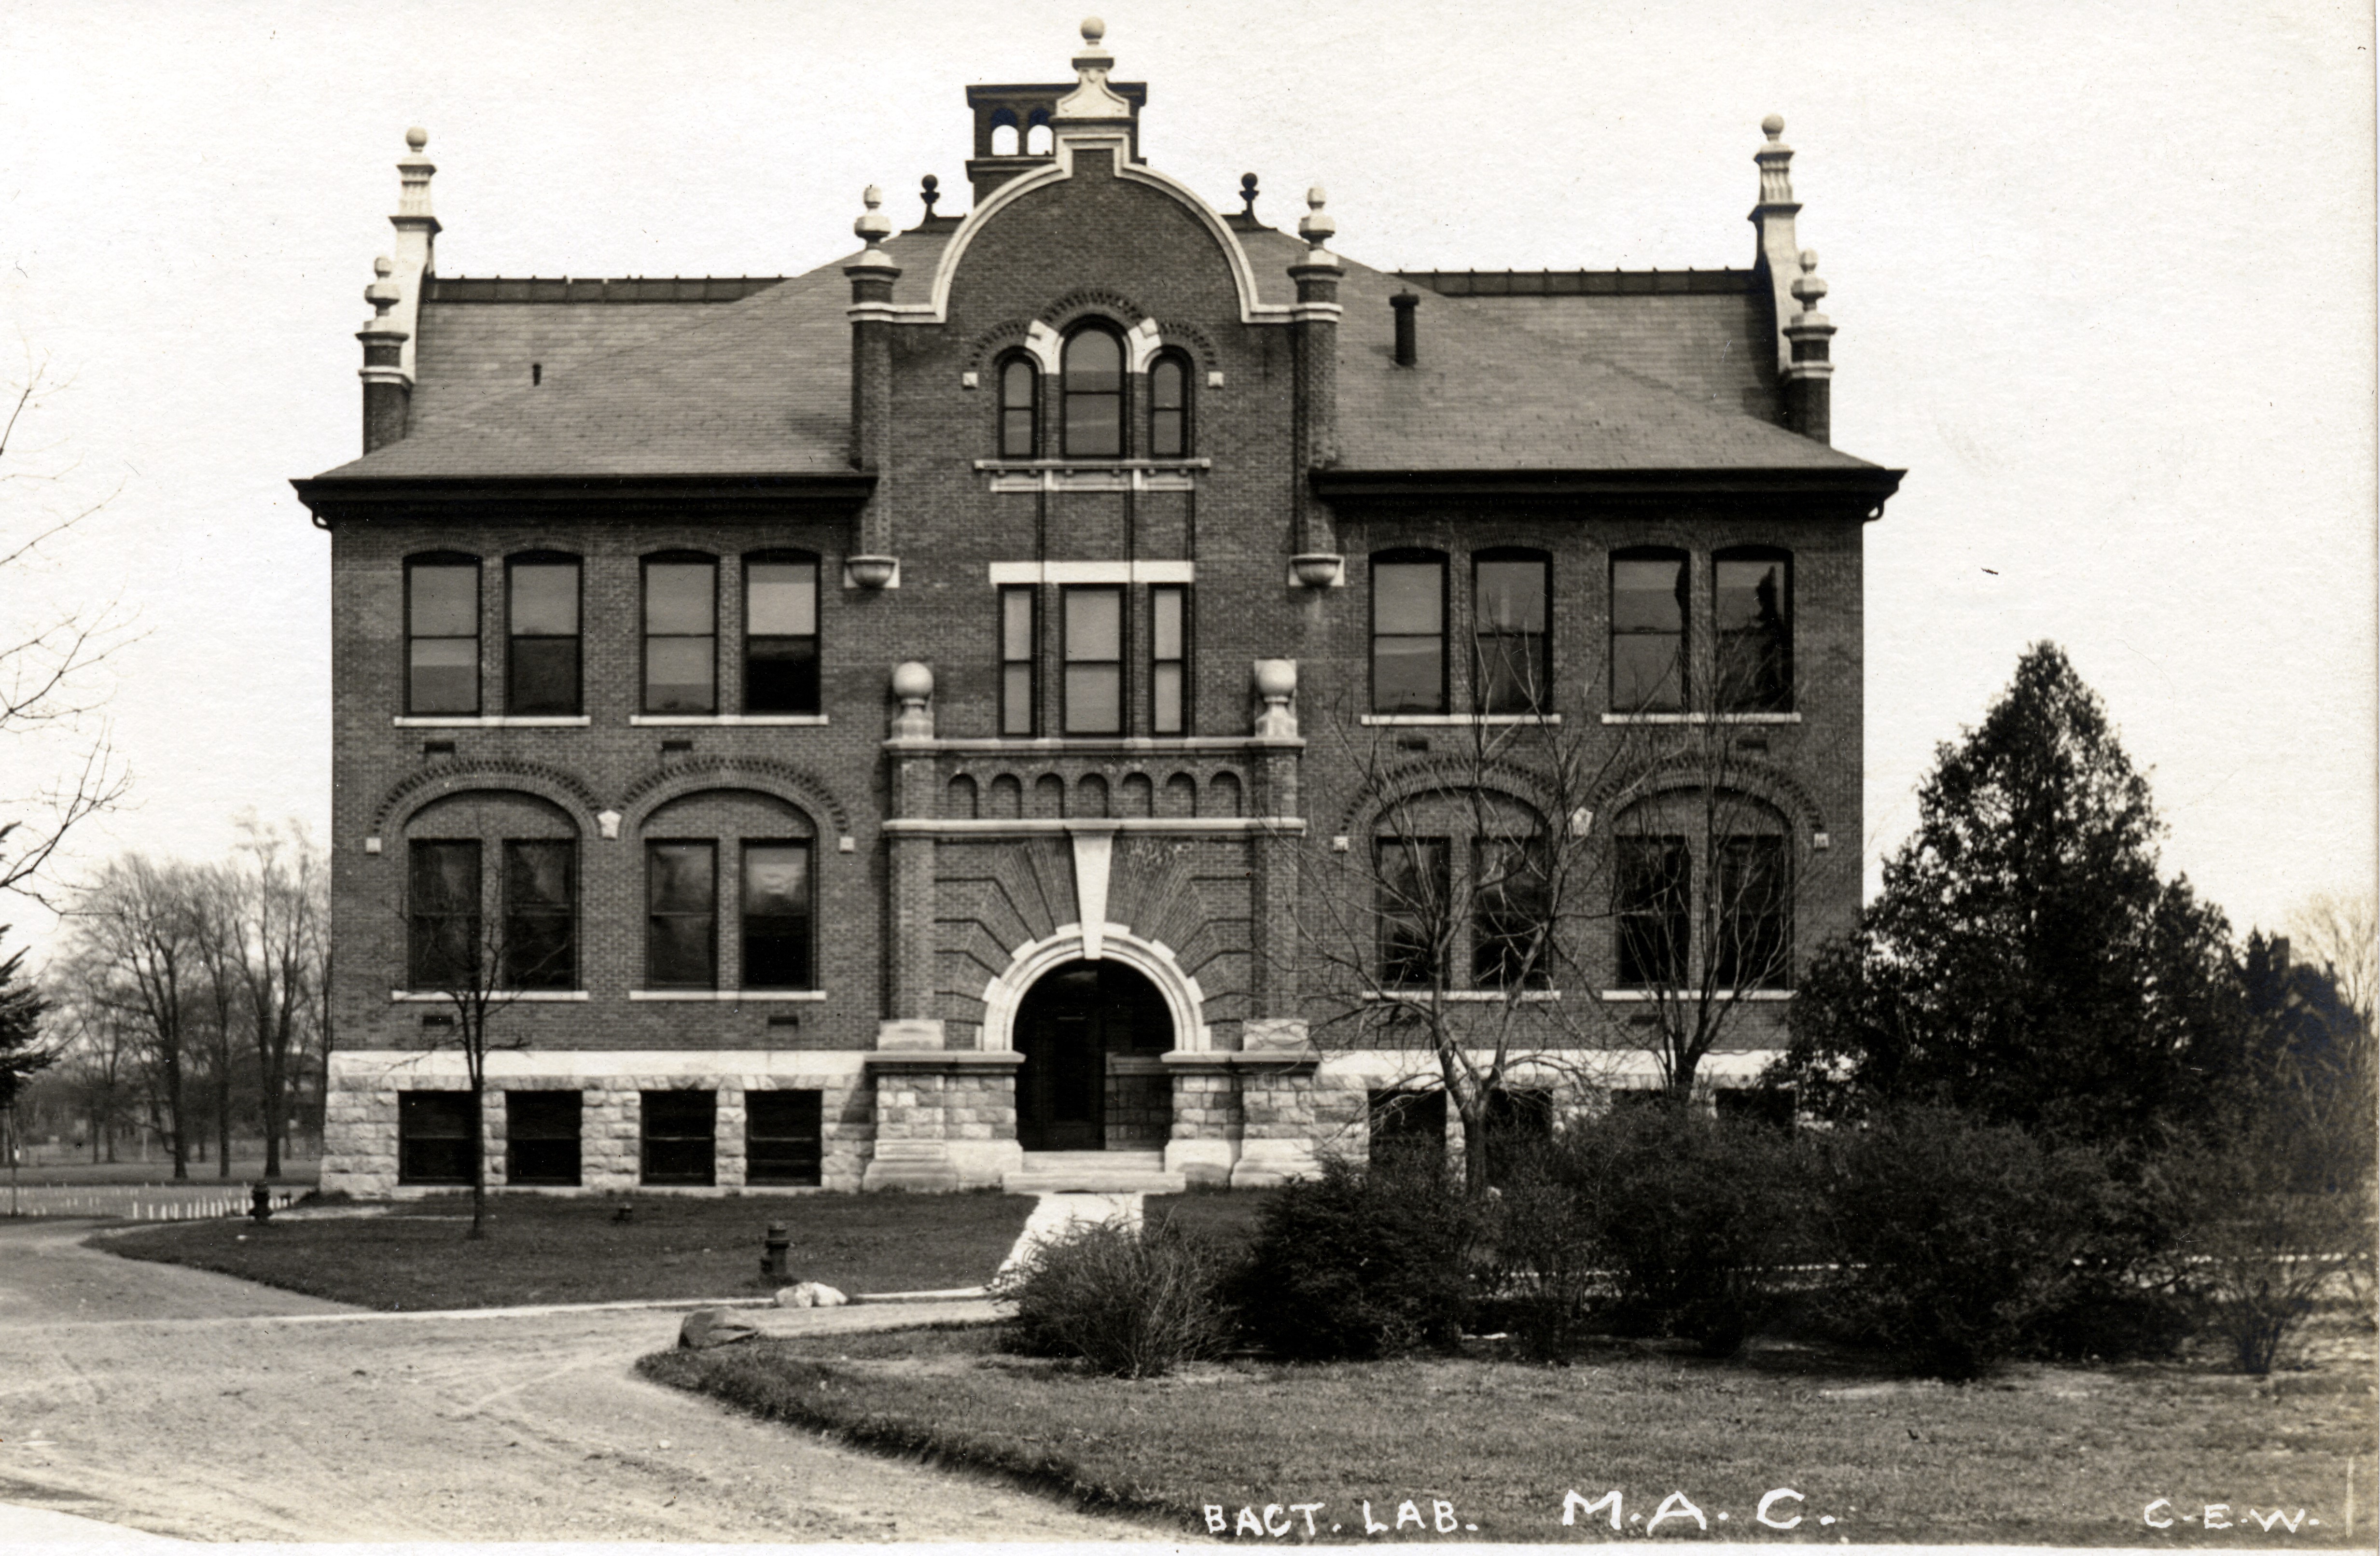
(1170, 204)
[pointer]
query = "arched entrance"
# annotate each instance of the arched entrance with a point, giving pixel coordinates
(1070, 1023)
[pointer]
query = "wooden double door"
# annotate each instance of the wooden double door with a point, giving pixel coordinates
(1070, 1022)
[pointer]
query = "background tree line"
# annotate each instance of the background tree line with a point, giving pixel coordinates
(188, 1002)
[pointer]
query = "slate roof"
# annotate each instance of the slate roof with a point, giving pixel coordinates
(761, 385)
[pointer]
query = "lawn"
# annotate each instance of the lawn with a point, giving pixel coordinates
(2058, 1455)
(553, 1250)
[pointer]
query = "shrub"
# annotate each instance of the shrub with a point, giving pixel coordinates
(1132, 1303)
(1701, 1218)
(1362, 1262)
(1957, 1240)
(2264, 1234)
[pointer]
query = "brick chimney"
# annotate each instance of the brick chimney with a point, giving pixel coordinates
(396, 295)
(1091, 98)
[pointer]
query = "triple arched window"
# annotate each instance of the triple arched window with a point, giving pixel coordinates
(1096, 414)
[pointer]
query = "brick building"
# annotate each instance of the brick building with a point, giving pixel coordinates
(924, 722)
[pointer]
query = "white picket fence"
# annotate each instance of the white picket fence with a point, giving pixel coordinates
(139, 1201)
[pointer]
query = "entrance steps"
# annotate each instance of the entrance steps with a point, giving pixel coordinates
(1093, 1171)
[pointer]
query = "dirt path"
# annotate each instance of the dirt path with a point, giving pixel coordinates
(190, 1404)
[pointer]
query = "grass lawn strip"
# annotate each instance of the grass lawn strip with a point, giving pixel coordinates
(2049, 1455)
(549, 1249)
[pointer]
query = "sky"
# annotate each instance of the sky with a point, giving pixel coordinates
(2102, 276)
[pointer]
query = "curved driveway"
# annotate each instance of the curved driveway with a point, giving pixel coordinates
(190, 1403)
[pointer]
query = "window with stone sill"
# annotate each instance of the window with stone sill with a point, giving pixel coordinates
(541, 636)
(442, 633)
(679, 1137)
(1092, 393)
(681, 633)
(1409, 632)
(781, 633)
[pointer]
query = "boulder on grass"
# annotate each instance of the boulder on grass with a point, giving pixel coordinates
(707, 1327)
(812, 1294)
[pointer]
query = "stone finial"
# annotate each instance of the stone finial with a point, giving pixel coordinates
(1317, 226)
(1776, 160)
(1276, 684)
(929, 189)
(1248, 196)
(382, 294)
(414, 172)
(873, 227)
(913, 683)
(1091, 98)
(1808, 287)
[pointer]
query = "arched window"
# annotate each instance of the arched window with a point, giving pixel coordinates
(1037, 135)
(1020, 408)
(1702, 893)
(1648, 631)
(1752, 607)
(1409, 632)
(1508, 623)
(442, 633)
(1094, 393)
(1004, 139)
(1168, 406)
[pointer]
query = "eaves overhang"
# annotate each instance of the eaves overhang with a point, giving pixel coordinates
(333, 499)
(1865, 486)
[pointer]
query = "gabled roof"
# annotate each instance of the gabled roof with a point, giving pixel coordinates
(761, 385)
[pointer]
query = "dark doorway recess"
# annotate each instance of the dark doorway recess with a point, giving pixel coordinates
(1068, 1024)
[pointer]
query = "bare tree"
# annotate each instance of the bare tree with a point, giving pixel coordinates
(481, 963)
(2342, 932)
(95, 1057)
(216, 928)
(46, 684)
(1706, 875)
(132, 946)
(283, 909)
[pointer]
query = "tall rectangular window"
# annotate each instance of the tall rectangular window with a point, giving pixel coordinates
(1169, 659)
(1410, 875)
(1651, 903)
(681, 916)
(781, 636)
(1511, 932)
(777, 916)
(681, 635)
(1018, 690)
(441, 636)
(1409, 634)
(435, 1133)
(442, 913)
(783, 1136)
(1020, 409)
(1752, 603)
(1093, 651)
(1753, 913)
(680, 1140)
(1169, 409)
(541, 650)
(1648, 633)
(1509, 622)
(541, 944)
(542, 1136)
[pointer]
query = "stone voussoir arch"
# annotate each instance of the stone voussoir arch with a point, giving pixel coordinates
(1444, 775)
(794, 785)
(402, 798)
(1765, 781)
(1009, 334)
(1087, 302)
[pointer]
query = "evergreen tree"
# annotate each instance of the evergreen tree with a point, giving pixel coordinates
(20, 1026)
(2024, 961)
